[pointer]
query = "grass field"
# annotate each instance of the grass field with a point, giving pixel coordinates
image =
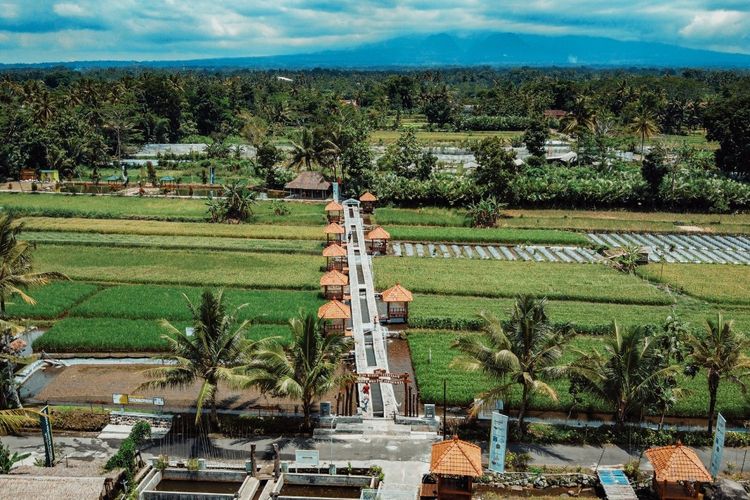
(157, 302)
(437, 137)
(726, 284)
(175, 242)
(123, 335)
(463, 386)
(475, 235)
(181, 267)
(426, 216)
(131, 207)
(53, 300)
(586, 282)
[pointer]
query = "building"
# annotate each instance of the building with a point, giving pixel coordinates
(309, 185)
(455, 463)
(333, 284)
(678, 472)
(397, 300)
(377, 241)
(334, 234)
(334, 211)
(367, 201)
(335, 258)
(334, 314)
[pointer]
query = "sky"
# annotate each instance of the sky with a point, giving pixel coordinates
(66, 30)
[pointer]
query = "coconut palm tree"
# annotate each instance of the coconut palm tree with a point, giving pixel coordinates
(210, 354)
(523, 355)
(16, 264)
(306, 369)
(720, 350)
(11, 421)
(305, 152)
(581, 117)
(626, 374)
(644, 124)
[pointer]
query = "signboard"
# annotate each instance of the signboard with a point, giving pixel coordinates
(718, 449)
(120, 399)
(49, 447)
(124, 399)
(336, 191)
(486, 410)
(498, 441)
(306, 457)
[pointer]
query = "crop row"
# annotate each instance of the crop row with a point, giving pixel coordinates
(726, 284)
(492, 235)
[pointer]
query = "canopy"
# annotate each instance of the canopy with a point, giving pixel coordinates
(677, 463)
(378, 234)
(368, 196)
(334, 251)
(333, 228)
(397, 293)
(334, 278)
(456, 458)
(333, 207)
(334, 310)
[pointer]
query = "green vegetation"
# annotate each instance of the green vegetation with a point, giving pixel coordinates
(53, 300)
(718, 283)
(489, 278)
(491, 235)
(181, 267)
(426, 216)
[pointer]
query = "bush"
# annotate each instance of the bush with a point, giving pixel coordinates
(126, 454)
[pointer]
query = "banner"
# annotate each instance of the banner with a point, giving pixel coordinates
(498, 441)
(718, 449)
(49, 447)
(306, 457)
(336, 191)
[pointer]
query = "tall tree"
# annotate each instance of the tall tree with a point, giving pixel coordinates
(720, 350)
(644, 124)
(496, 167)
(525, 354)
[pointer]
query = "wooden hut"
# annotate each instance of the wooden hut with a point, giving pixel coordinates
(397, 300)
(335, 257)
(455, 463)
(678, 472)
(309, 185)
(334, 234)
(377, 241)
(367, 201)
(333, 283)
(334, 315)
(334, 211)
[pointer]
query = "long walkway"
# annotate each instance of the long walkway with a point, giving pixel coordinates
(369, 336)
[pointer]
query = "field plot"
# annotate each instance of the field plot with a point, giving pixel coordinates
(182, 267)
(123, 335)
(712, 282)
(468, 234)
(426, 216)
(390, 136)
(157, 302)
(53, 300)
(161, 228)
(462, 386)
(489, 278)
(176, 242)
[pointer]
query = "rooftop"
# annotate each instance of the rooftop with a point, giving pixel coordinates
(368, 196)
(333, 206)
(311, 181)
(334, 278)
(456, 458)
(397, 293)
(333, 228)
(677, 463)
(334, 251)
(334, 310)
(378, 234)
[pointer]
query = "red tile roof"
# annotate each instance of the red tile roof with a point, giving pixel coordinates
(378, 234)
(397, 293)
(677, 463)
(456, 458)
(333, 207)
(334, 310)
(368, 196)
(334, 278)
(334, 251)
(333, 228)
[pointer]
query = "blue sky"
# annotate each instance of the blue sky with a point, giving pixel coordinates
(63, 30)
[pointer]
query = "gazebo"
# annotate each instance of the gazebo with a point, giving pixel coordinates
(335, 257)
(334, 234)
(333, 283)
(455, 463)
(397, 300)
(367, 201)
(334, 211)
(678, 472)
(377, 240)
(334, 315)
(309, 185)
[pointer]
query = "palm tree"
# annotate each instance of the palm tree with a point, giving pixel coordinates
(306, 369)
(626, 374)
(580, 118)
(16, 264)
(304, 153)
(522, 356)
(720, 350)
(11, 421)
(210, 354)
(644, 124)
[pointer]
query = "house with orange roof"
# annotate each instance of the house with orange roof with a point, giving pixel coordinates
(377, 241)
(397, 300)
(334, 234)
(335, 258)
(334, 315)
(455, 463)
(334, 211)
(367, 202)
(333, 284)
(678, 472)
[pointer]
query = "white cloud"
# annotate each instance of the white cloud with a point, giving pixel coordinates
(70, 10)
(717, 23)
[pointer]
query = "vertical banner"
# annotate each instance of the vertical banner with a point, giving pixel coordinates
(498, 441)
(49, 447)
(336, 191)
(718, 449)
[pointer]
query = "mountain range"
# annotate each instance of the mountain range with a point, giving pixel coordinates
(451, 49)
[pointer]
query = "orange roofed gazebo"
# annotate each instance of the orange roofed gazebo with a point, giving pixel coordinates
(333, 283)
(397, 300)
(335, 257)
(334, 211)
(367, 202)
(678, 472)
(455, 463)
(377, 240)
(334, 315)
(334, 233)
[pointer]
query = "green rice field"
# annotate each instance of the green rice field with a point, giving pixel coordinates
(725, 284)
(52, 300)
(475, 235)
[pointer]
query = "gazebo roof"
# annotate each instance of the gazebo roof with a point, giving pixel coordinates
(334, 278)
(677, 463)
(333, 206)
(368, 196)
(333, 228)
(378, 234)
(456, 458)
(397, 293)
(334, 251)
(334, 310)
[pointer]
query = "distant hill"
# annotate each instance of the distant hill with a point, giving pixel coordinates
(447, 49)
